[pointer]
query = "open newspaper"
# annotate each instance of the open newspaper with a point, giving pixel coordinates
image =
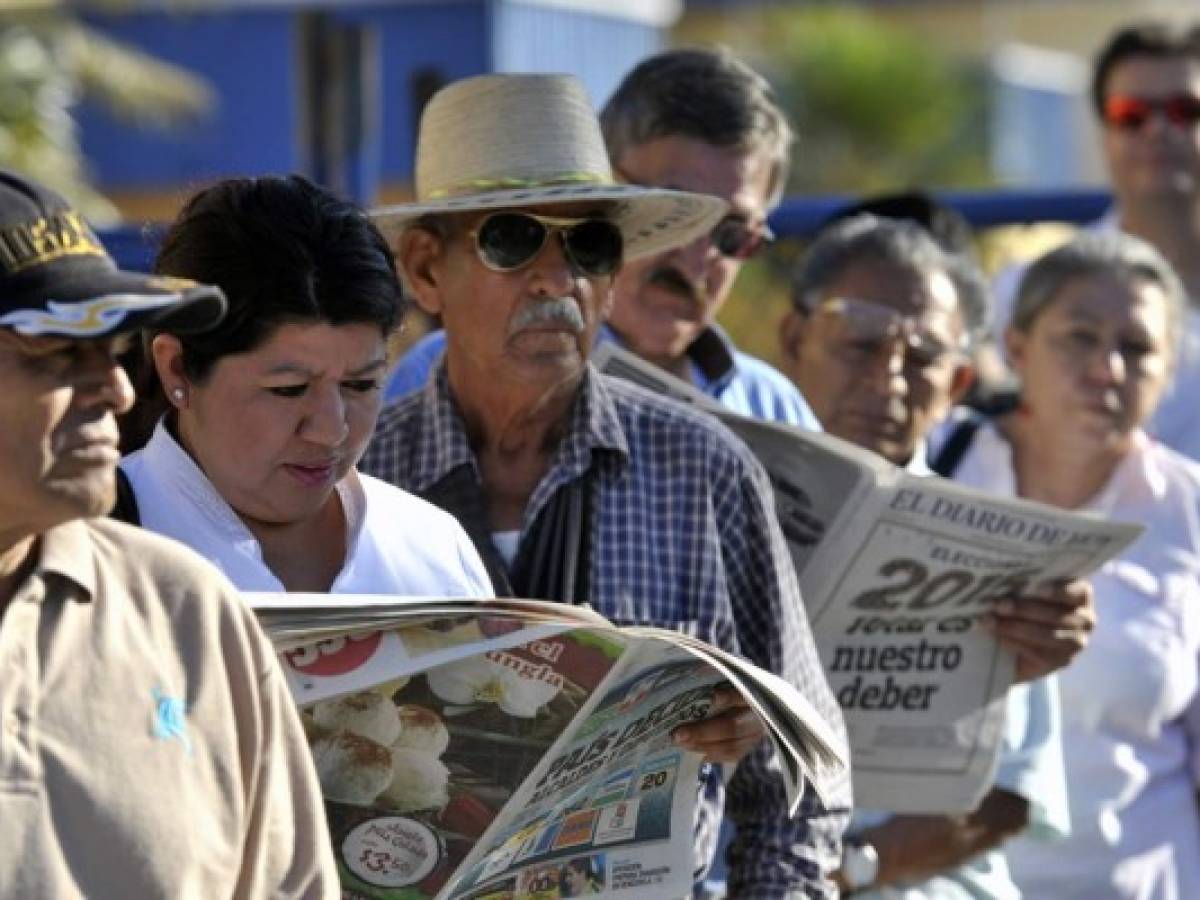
(515, 750)
(895, 569)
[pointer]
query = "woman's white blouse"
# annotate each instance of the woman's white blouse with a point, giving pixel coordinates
(396, 543)
(1131, 714)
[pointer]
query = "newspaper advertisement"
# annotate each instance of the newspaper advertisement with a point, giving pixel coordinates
(895, 570)
(473, 750)
(600, 811)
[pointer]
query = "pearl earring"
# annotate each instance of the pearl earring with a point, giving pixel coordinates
(177, 394)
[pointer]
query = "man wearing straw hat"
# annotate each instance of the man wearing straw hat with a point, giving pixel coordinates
(698, 120)
(148, 743)
(575, 487)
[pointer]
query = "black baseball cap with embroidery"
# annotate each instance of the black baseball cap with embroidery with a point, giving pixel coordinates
(57, 279)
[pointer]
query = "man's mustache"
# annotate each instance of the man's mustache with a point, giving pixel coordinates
(671, 279)
(555, 311)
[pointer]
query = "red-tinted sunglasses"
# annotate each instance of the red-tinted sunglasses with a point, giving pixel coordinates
(1132, 113)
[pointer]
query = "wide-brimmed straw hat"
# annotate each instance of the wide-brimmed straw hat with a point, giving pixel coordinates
(500, 141)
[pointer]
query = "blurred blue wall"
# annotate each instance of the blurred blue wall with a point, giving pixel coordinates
(248, 57)
(256, 59)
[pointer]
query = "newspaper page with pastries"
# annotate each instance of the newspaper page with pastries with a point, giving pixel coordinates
(895, 570)
(514, 749)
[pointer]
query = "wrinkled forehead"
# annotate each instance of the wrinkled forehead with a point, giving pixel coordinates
(1112, 298)
(47, 343)
(15, 345)
(927, 297)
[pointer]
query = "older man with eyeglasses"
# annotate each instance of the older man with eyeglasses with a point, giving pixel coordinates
(575, 487)
(697, 120)
(878, 339)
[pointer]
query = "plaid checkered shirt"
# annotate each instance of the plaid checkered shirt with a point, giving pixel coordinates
(683, 536)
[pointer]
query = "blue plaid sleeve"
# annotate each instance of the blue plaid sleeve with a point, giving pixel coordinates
(774, 855)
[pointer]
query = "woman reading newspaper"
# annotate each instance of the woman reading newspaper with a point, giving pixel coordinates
(1092, 339)
(252, 462)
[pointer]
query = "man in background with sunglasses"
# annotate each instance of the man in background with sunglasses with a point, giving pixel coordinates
(1146, 93)
(1146, 96)
(696, 120)
(878, 339)
(701, 120)
(576, 487)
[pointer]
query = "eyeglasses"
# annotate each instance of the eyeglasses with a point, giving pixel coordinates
(734, 237)
(1126, 113)
(861, 330)
(506, 241)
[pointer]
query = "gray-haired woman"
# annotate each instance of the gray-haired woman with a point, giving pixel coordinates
(1092, 338)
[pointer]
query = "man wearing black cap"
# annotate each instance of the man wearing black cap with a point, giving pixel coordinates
(148, 745)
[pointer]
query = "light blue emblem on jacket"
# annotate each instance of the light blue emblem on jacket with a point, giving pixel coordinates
(169, 719)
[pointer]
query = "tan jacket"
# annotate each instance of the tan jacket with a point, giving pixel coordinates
(148, 744)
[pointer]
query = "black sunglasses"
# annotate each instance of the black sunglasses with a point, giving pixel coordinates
(506, 241)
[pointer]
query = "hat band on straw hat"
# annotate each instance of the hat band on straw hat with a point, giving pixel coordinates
(498, 141)
(477, 185)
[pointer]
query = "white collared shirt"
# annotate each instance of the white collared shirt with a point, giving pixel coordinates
(1131, 699)
(396, 543)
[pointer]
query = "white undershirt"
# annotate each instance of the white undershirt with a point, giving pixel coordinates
(506, 543)
(1131, 699)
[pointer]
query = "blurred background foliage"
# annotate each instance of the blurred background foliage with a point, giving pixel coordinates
(49, 62)
(876, 108)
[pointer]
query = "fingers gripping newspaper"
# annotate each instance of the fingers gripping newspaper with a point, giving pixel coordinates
(514, 750)
(895, 570)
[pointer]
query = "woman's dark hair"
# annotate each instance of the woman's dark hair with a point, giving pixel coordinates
(283, 250)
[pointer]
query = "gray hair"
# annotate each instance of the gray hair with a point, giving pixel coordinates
(709, 95)
(898, 242)
(1096, 254)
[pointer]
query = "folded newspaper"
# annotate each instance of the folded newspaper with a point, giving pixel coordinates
(513, 749)
(895, 569)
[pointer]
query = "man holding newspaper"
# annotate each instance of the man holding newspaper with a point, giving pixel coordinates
(877, 341)
(576, 487)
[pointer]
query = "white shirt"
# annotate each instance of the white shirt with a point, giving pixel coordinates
(507, 543)
(1131, 709)
(396, 543)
